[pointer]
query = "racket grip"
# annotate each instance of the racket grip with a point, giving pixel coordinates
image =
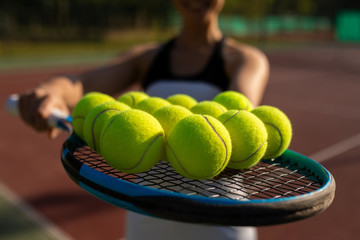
(57, 117)
(11, 105)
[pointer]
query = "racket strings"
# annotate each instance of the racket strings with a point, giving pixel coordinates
(278, 180)
(275, 178)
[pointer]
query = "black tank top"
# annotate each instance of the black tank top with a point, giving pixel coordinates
(213, 72)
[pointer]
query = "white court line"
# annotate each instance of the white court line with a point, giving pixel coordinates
(50, 228)
(336, 149)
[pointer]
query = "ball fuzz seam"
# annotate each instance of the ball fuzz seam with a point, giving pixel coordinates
(225, 161)
(144, 153)
(256, 150)
(280, 135)
(132, 141)
(93, 126)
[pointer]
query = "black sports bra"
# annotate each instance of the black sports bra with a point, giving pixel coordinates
(213, 72)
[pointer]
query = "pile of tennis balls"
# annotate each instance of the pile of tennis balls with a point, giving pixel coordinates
(199, 139)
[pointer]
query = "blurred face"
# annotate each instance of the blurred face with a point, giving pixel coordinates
(198, 10)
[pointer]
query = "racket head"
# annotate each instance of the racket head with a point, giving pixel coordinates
(289, 188)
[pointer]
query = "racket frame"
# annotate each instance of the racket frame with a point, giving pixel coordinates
(200, 209)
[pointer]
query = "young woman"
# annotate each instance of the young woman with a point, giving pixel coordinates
(199, 61)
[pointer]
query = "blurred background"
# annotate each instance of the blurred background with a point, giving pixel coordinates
(313, 48)
(98, 28)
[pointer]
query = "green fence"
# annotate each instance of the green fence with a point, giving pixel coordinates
(348, 26)
(272, 25)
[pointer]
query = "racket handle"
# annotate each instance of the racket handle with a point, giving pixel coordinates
(12, 105)
(57, 117)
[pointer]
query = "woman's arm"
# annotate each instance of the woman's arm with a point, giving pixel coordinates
(124, 70)
(249, 71)
(63, 92)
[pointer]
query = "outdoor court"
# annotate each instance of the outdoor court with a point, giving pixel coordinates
(317, 87)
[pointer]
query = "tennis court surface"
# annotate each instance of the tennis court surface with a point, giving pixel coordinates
(316, 86)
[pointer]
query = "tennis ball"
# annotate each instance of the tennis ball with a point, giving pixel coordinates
(233, 100)
(151, 104)
(198, 147)
(169, 115)
(132, 141)
(96, 119)
(278, 127)
(248, 137)
(211, 108)
(132, 98)
(182, 100)
(83, 107)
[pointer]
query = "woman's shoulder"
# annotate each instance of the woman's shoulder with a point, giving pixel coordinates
(235, 50)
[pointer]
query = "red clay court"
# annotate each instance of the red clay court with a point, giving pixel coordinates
(316, 86)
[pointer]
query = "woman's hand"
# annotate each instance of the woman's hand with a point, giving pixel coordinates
(35, 107)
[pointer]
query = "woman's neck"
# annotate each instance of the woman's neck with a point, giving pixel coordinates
(199, 35)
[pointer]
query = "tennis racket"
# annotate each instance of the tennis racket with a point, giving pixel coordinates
(285, 189)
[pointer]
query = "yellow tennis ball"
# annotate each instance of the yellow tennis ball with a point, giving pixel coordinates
(83, 107)
(233, 100)
(132, 141)
(278, 127)
(248, 137)
(132, 98)
(151, 104)
(96, 119)
(211, 108)
(169, 115)
(182, 100)
(198, 147)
